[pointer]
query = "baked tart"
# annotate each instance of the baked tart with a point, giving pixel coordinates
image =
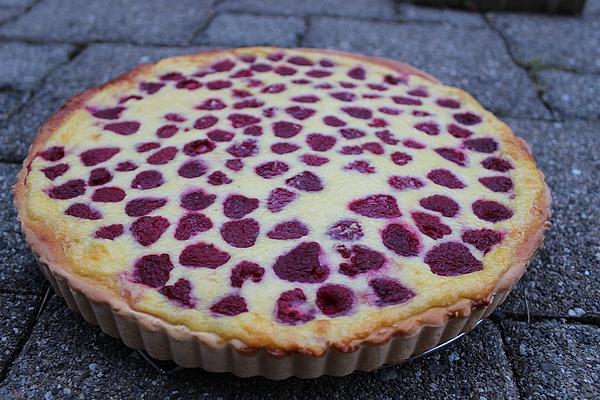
(281, 212)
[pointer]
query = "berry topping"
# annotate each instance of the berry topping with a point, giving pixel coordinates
(302, 264)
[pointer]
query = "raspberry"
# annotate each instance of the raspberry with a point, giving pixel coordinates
(250, 103)
(330, 120)
(151, 87)
(387, 137)
(361, 166)
(235, 164)
(240, 233)
(301, 264)
(430, 128)
(244, 271)
(68, 190)
(261, 68)
(390, 291)
(172, 76)
(219, 178)
(237, 206)
(109, 232)
(363, 259)
(401, 240)
(83, 211)
(400, 158)
(491, 211)
(203, 255)
(271, 169)
(123, 128)
(292, 308)
(230, 306)
(145, 147)
(92, 157)
(189, 84)
(467, 118)
(211, 104)
(456, 156)
(55, 171)
(376, 206)
(497, 183)
(279, 198)
(197, 200)
(197, 147)
(275, 88)
(108, 195)
(192, 169)
(247, 148)
(173, 117)
(413, 144)
(242, 120)
(358, 112)
(444, 177)
(143, 206)
(389, 111)
(147, 180)
(334, 300)
(496, 164)
(373, 147)
(219, 135)
(419, 92)
(147, 230)
(405, 182)
(357, 73)
(191, 225)
(285, 71)
(222, 66)
(306, 99)
(458, 131)
(180, 293)
(346, 230)
(406, 101)
(351, 150)
(320, 142)
(306, 181)
(431, 225)
(152, 270)
(452, 259)
(482, 239)
(481, 145)
(285, 129)
(288, 230)
(442, 204)
(166, 131)
(318, 73)
(218, 85)
(126, 166)
(205, 122)
(284, 148)
(53, 153)
(313, 160)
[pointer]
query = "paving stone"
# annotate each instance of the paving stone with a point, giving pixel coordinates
(555, 360)
(97, 64)
(16, 3)
(563, 278)
(65, 355)
(18, 270)
(9, 102)
(150, 21)
(24, 65)
(474, 59)
(17, 312)
(563, 42)
(573, 95)
(592, 7)
(7, 13)
(461, 18)
(349, 8)
(253, 30)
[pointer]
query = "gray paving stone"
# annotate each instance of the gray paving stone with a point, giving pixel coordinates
(572, 95)
(349, 8)
(563, 279)
(592, 7)
(24, 65)
(66, 356)
(252, 30)
(18, 271)
(17, 312)
(9, 102)
(150, 21)
(474, 59)
(7, 13)
(461, 18)
(555, 360)
(97, 64)
(563, 42)
(15, 3)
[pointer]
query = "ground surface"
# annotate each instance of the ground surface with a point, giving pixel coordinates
(539, 73)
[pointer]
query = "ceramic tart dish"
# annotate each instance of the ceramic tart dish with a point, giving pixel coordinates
(281, 212)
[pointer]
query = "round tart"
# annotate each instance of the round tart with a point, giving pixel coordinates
(280, 202)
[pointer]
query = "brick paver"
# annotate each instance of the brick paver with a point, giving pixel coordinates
(540, 73)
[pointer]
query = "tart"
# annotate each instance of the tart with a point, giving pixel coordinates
(280, 204)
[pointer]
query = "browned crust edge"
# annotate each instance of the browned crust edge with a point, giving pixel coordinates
(49, 249)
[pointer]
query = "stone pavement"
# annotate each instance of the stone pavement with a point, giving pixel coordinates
(539, 73)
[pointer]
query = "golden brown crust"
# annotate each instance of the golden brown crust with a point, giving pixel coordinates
(49, 248)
